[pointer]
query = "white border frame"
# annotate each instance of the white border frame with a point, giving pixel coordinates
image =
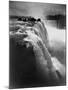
(4, 44)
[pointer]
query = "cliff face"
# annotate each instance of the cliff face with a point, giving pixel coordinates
(31, 63)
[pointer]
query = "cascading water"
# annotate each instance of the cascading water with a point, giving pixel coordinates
(35, 36)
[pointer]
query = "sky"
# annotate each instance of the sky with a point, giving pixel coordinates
(35, 9)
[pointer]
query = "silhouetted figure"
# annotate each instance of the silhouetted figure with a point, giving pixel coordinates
(39, 19)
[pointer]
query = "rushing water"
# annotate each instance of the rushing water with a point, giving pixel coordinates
(49, 68)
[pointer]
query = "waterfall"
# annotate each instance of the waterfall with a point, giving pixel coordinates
(36, 36)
